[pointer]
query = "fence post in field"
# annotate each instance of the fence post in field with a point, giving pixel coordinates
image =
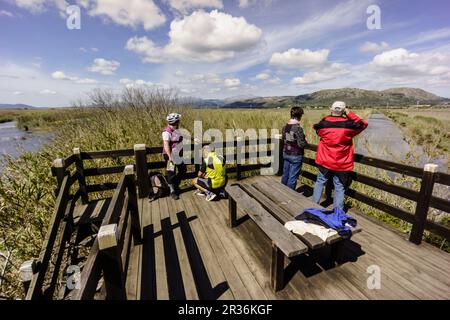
(58, 171)
(133, 204)
(26, 271)
(81, 177)
(140, 154)
(111, 262)
(278, 154)
(423, 202)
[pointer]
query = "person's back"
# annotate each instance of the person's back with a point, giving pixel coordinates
(294, 143)
(335, 148)
(334, 157)
(215, 170)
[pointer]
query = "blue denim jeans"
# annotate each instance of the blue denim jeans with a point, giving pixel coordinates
(291, 170)
(339, 190)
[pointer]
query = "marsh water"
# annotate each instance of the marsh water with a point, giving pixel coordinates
(14, 141)
(385, 140)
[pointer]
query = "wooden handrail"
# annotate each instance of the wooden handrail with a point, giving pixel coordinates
(124, 201)
(35, 288)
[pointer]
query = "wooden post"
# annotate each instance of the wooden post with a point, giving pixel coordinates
(232, 210)
(143, 183)
(278, 155)
(423, 202)
(81, 176)
(238, 146)
(133, 205)
(338, 251)
(111, 262)
(26, 271)
(277, 268)
(58, 171)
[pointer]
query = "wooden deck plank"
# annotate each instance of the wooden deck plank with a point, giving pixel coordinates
(162, 290)
(186, 272)
(147, 282)
(206, 210)
(208, 276)
(235, 283)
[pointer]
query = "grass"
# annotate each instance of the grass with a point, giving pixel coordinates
(118, 121)
(427, 128)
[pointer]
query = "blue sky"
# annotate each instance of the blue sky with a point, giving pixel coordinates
(219, 48)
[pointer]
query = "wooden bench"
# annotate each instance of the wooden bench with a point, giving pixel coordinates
(270, 206)
(284, 243)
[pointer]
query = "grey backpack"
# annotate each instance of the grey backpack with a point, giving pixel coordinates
(159, 186)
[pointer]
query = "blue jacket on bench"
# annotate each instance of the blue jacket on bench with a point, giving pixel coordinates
(335, 219)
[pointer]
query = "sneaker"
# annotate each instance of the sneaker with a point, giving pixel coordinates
(211, 196)
(174, 196)
(200, 193)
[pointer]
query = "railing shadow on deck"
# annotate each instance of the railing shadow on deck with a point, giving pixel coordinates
(176, 289)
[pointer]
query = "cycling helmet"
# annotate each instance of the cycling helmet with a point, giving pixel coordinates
(173, 118)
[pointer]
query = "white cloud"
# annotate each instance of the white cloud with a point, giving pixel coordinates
(47, 91)
(244, 3)
(248, 3)
(401, 62)
(232, 83)
(223, 36)
(179, 73)
(299, 58)
(374, 47)
(131, 13)
(262, 76)
(134, 83)
(327, 73)
(39, 6)
(6, 13)
(184, 6)
(60, 75)
(266, 77)
(103, 66)
(273, 81)
(431, 35)
(94, 49)
(17, 93)
(34, 6)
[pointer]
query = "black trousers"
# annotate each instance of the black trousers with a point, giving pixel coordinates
(175, 177)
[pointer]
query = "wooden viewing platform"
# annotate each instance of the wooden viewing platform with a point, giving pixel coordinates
(185, 249)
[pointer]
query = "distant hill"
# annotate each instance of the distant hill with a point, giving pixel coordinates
(352, 96)
(15, 106)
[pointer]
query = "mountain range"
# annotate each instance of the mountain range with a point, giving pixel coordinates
(395, 97)
(15, 106)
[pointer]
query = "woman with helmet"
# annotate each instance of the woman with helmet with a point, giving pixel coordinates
(173, 154)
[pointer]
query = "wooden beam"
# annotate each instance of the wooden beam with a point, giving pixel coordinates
(143, 183)
(111, 262)
(277, 268)
(81, 175)
(423, 203)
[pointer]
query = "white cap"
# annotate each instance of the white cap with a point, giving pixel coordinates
(338, 107)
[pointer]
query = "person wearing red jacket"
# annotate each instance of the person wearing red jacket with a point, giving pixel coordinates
(334, 156)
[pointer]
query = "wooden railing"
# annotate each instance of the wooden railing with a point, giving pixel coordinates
(110, 252)
(424, 199)
(120, 227)
(58, 234)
